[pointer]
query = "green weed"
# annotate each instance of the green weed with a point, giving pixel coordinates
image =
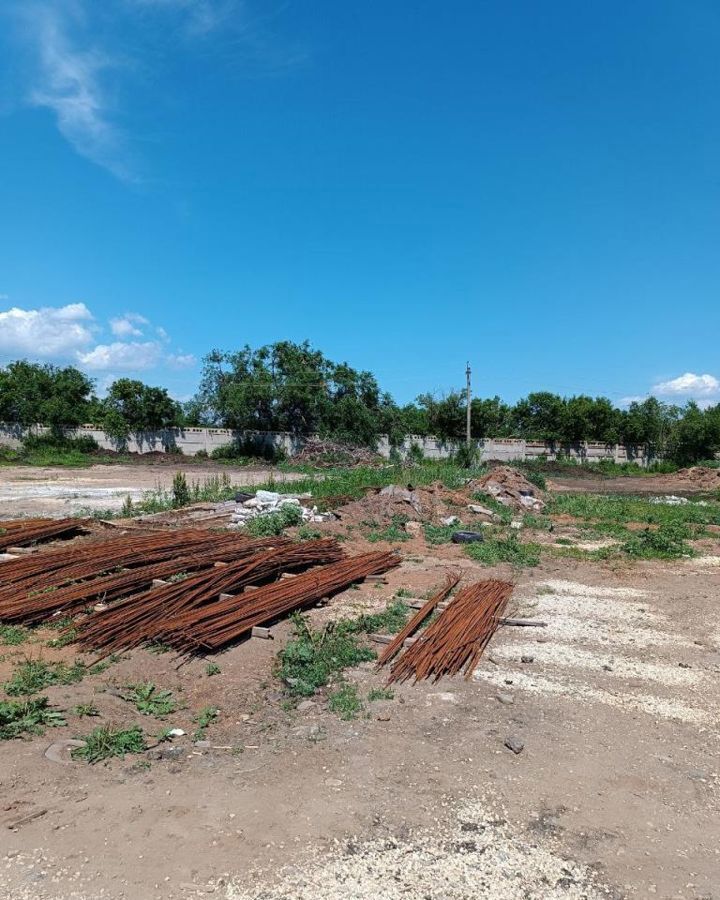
(20, 717)
(667, 542)
(204, 720)
(107, 741)
(440, 534)
(213, 669)
(13, 635)
(312, 658)
(345, 702)
(274, 523)
(394, 533)
(34, 675)
(380, 694)
(86, 709)
(150, 701)
(497, 549)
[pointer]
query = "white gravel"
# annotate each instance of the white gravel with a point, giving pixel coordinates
(567, 686)
(475, 855)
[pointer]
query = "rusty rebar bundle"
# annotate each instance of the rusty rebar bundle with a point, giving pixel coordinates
(34, 588)
(457, 638)
(23, 532)
(416, 621)
(158, 614)
(231, 619)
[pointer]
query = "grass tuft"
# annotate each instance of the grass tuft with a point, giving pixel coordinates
(107, 741)
(150, 701)
(21, 717)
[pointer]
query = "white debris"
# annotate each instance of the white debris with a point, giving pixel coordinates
(670, 500)
(267, 502)
(450, 520)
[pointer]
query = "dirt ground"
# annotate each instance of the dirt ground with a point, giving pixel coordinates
(58, 491)
(614, 794)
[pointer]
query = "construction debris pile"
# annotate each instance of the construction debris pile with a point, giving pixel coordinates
(218, 587)
(328, 454)
(511, 488)
(264, 503)
(454, 642)
(24, 532)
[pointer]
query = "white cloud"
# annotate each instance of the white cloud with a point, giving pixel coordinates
(182, 360)
(202, 16)
(70, 334)
(50, 332)
(122, 356)
(69, 83)
(129, 325)
(689, 385)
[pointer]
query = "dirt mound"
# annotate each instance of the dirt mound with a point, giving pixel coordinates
(700, 477)
(510, 487)
(425, 504)
(327, 454)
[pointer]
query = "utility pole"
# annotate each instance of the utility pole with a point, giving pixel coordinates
(469, 398)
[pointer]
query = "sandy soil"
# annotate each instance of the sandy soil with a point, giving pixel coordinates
(614, 795)
(59, 491)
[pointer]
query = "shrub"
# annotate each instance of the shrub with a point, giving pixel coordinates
(180, 490)
(274, 523)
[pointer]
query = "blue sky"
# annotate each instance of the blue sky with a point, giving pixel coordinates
(533, 187)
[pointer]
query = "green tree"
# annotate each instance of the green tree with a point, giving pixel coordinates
(31, 393)
(490, 418)
(131, 406)
(696, 435)
(289, 387)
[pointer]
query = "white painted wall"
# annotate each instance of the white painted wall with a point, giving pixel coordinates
(192, 440)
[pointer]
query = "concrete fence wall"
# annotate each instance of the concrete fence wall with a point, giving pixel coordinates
(193, 440)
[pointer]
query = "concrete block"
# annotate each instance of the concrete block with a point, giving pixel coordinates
(260, 632)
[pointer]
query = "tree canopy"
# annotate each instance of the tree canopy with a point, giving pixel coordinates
(293, 387)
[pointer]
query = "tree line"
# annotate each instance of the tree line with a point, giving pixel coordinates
(295, 388)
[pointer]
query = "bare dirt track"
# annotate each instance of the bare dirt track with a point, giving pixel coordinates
(58, 491)
(615, 793)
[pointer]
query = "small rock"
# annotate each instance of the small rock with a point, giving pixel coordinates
(508, 681)
(306, 705)
(202, 745)
(176, 732)
(684, 665)
(446, 697)
(333, 782)
(607, 668)
(506, 698)
(383, 717)
(413, 527)
(525, 658)
(479, 510)
(514, 744)
(516, 524)
(61, 751)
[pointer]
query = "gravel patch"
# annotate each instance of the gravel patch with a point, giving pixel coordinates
(476, 854)
(565, 686)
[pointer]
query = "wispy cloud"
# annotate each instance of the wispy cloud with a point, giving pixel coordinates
(69, 82)
(200, 16)
(83, 54)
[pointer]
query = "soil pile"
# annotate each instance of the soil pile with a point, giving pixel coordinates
(511, 488)
(425, 504)
(701, 477)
